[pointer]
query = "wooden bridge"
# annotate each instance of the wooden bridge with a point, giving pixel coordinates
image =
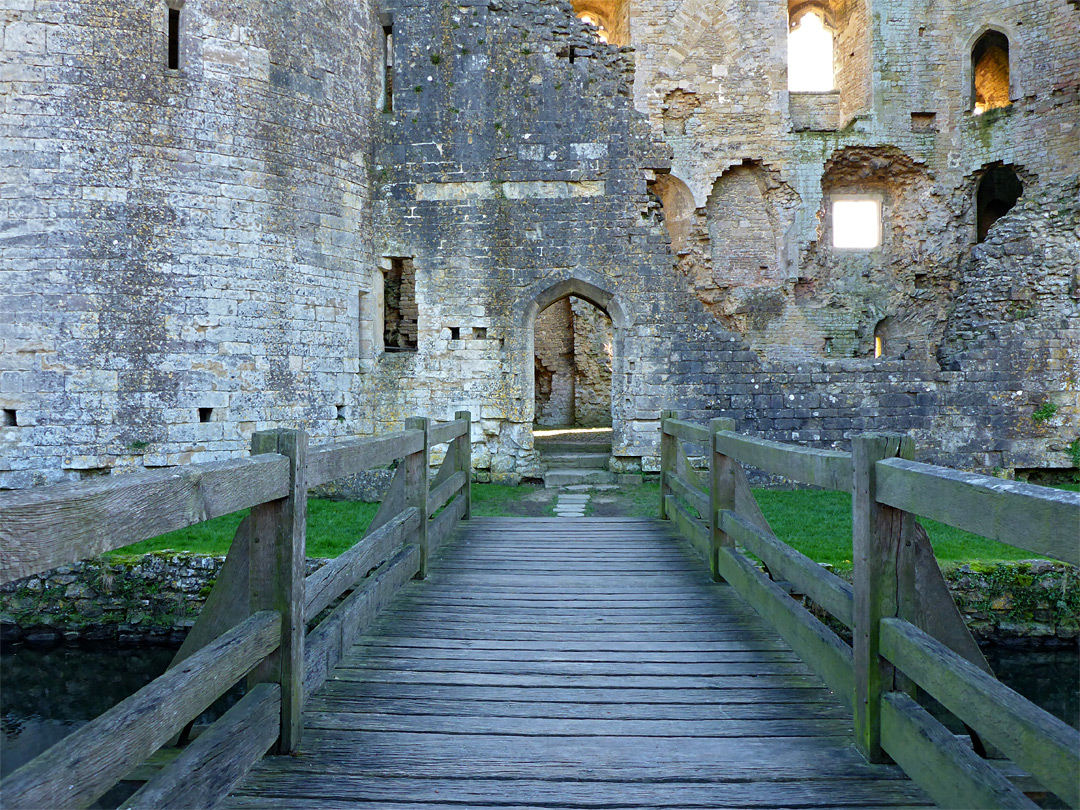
(447, 661)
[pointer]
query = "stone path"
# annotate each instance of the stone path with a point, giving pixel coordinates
(571, 504)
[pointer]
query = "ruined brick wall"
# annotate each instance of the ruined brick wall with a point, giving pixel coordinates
(193, 255)
(553, 344)
(593, 343)
(182, 250)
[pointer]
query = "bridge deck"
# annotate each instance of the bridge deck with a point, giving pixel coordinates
(572, 663)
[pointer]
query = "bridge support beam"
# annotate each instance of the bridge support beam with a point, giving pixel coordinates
(276, 578)
(883, 570)
(721, 494)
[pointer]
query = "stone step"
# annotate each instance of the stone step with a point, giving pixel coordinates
(574, 477)
(579, 461)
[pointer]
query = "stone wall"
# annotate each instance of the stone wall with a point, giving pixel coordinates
(183, 250)
(193, 255)
(156, 597)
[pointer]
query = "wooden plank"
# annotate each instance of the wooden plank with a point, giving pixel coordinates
(825, 588)
(442, 525)
(393, 502)
(695, 497)
(337, 632)
(687, 431)
(276, 574)
(445, 491)
(686, 471)
(1038, 742)
(692, 529)
(882, 567)
(229, 601)
(828, 469)
(447, 431)
(44, 527)
(667, 460)
(463, 449)
(84, 765)
(816, 644)
(329, 462)
(950, 772)
(1039, 519)
(340, 574)
(204, 772)
(721, 495)
(418, 485)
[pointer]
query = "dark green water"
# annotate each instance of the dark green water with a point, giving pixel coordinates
(47, 694)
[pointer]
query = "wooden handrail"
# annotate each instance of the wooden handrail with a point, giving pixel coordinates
(1034, 739)
(1038, 519)
(893, 568)
(44, 527)
(255, 618)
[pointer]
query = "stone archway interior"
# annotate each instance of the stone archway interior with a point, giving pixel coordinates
(572, 365)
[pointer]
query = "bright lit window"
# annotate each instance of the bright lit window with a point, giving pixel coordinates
(810, 55)
(591, 19)
(856, 222)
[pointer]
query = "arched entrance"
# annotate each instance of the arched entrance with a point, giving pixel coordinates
(573, 347)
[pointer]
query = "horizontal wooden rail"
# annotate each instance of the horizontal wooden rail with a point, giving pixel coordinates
(447, 431)
(691, 494)
(332, 461)
(44, 527)
(445, 491)
(337, 632)
(206, 770)
(696, 532)
(812, 641)
(1045, 521)
(325, 585)
(443, 524)
(687, 431)
(828, 469)
(784, 562)
(1038, 742)
(118, 740)
(948, 770)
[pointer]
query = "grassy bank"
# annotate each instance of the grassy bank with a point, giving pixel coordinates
(814, 522)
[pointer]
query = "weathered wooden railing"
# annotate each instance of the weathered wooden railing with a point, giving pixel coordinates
(906, 629)
(257, 617)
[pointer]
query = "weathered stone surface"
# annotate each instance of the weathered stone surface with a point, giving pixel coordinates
(192, 255)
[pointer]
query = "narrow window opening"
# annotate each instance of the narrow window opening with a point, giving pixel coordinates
(388, 68)
(174, 39)
(810, 55)
(399, 306)
(990, 72)
(341, 413)
(856, 223)
(479, 332)
(455, 333)
(999, 189)
(206, 414)
(596, 22)
(879, 345)
(10, 418)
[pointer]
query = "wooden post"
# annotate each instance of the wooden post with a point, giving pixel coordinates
(721, 494)
(880, 566)
(667, 461)
(416, 484)
(464, 460)
(276, 579)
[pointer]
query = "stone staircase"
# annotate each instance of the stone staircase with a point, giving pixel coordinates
(575, 457)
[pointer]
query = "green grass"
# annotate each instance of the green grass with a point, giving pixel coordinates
(818, 524)
(493, 500)
(333, 526)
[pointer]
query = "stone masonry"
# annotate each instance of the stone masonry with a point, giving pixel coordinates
(191, 254)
